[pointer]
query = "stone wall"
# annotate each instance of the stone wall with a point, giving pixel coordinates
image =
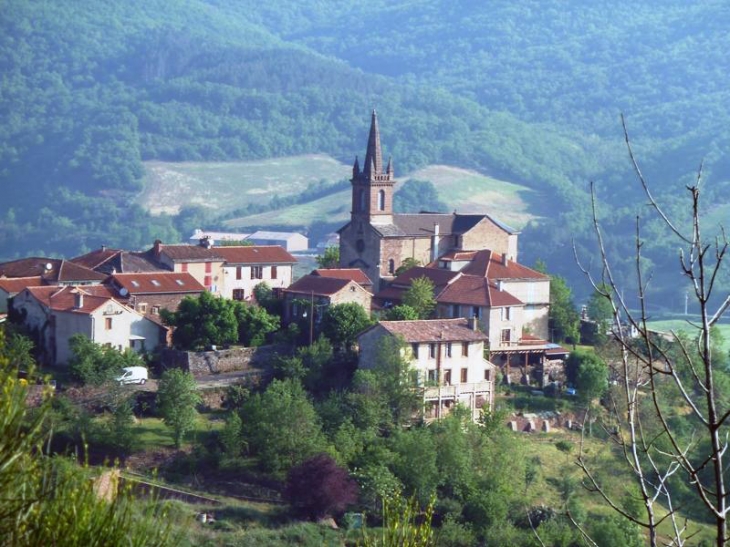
(202, 363)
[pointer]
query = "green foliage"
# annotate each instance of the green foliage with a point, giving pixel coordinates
(330, 258)
(563, 319)
(232, 435)
(50, 500)
(404, 525)
(408, 263)
(401, 312)
(420, 297)
(177, 398)
(588, 372)
(203, 322)
(615, 531)
(281, 426)
(343, 322)
(95, 364)
(254, 324)
(415, 196)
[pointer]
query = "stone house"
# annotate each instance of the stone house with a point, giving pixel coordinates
(247, 266)
(448, 357)
(53, 314)
(314, 294)
(150, 292)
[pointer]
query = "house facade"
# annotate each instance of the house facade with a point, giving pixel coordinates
(150, 292)
(247, 266)
(314, 294)
(54, 314)
(448, 357)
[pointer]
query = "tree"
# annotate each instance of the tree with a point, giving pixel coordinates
(563, 318)
(177, 398)
(675, 457)
(418, 195)
(343, 322)
(401, 312)
(254, 323)
(95, 364)
(408, 263)
(318, 487)
(592, 379)
(281, 426)
(330, 258)
(419, 296)
(203, 322)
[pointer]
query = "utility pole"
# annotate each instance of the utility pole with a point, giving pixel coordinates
(311, 317)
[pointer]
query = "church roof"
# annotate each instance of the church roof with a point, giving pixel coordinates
(374, 155)
(422, 224)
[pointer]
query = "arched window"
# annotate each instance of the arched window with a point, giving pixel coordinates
(391, 266)
(362, 200)
(381, 200)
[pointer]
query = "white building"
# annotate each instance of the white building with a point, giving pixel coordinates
(448, 355)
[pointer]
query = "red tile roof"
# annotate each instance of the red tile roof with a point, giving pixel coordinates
(354, 274)
(51, 269)
(476, 291)
(157, 283)
(255, 254)
(13, 285)
(492, 265)
(318, 286)
(190, 253)
(434, 330)
(64, 298)
(96, 258)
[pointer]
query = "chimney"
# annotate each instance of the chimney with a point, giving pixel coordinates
(499, 285)
(157, 248)
(78, 299)
(435, 243)
(206, 242)
(505, 259)
(103, 248)
(474, 323)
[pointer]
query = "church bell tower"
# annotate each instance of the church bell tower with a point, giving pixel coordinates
(372, 186)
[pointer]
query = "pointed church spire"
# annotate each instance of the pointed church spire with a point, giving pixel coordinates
(356, 168)
(389, 169)
(374, 154)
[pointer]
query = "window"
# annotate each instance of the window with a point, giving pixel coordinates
(381, 200)
(476, 311)
(155, 282)
(180, 282)
(238, 294)
(142, 308)
(257, 272)
(131, 343)
(505, 313)
(108, 323)
(414, 347)
(464, 375)
(361, 204)
(184, 267)
(447, 377)
(448, 349)
(432, 375)
(273, 272)
(391, 266)
(239, 273)
(208, 267)
(432, 351)
(488, 375)
(465, 349)
(455, 310)
(506, 336)
(156, 310)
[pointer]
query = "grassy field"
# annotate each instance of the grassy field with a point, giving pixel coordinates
(225, 186)
(233, 185)
(683, 325)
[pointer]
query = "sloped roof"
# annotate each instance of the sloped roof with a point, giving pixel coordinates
(50, 269)
(476, 291)
(255, 254)
(491, 265)
(267, 234)
(13, 285)
(197, 253)
(422, 224)
(157, 283)
(115, 260)
(353, 274)
(96, 258)
(64, 298)
(317, 286)
(433, 330)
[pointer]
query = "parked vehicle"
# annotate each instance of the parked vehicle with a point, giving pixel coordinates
(133, 375)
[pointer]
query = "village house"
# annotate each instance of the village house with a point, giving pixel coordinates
(378, 241)
(290, 241)
(200, 261)
(111, 261)
(310, 296)
(53, 314)
(52, 271)
(150, 292)
(247, 266)
(448, 356)
(353, 274)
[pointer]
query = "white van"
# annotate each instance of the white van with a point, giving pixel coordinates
(133, 375)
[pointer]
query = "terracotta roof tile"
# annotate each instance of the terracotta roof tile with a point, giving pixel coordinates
(51, 269)
(354, 274)
(64, 298)
(476, 291)
(196, 253)
(13, 285)
(95, 259)
(157, 283)
(319, 286)
(434, 330)
(255, 254)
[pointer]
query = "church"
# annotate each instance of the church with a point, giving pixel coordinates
(378, 241)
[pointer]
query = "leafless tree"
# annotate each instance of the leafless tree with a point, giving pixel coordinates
(654, 451)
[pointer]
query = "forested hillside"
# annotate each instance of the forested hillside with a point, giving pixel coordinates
(529, 93)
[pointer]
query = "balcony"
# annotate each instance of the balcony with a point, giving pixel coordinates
(434, 393)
